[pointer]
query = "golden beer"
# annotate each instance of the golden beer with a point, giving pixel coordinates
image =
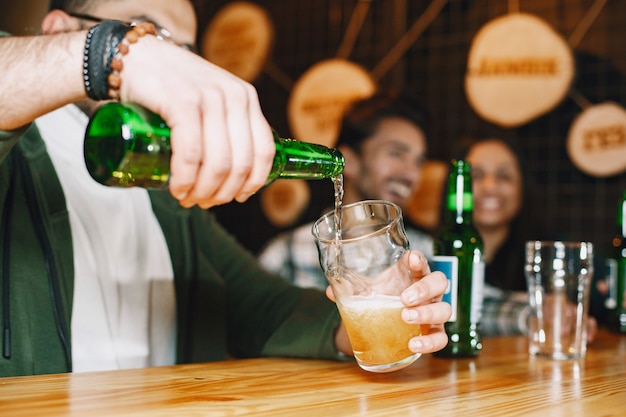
(378, 335)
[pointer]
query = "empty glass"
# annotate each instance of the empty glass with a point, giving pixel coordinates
(558, 275)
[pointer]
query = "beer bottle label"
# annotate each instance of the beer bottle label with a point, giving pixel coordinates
(478, 285)
(611, 279)
(621, 284)
(449, 265)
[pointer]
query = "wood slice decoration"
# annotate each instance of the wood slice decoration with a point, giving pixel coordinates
(239, 39)
(284, 201)
(518, 69)
(424, 207)
(596, 142)
(320, 97)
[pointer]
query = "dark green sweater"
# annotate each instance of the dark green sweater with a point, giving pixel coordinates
(227, 305)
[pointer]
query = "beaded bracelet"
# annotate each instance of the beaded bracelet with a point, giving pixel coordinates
(116, 65)
(105, 46)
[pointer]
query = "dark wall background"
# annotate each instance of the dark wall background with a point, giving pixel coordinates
(22, 17)
(571, 204)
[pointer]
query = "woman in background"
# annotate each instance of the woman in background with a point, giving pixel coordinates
(498, 188)
(504, 217)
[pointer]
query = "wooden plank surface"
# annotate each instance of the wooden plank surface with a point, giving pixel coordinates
(502, 381)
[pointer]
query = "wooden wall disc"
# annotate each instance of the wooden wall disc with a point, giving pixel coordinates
(518, 69)
(284, 201)
(424, 207)
(320, 97)
(596, 142)
(239, 39)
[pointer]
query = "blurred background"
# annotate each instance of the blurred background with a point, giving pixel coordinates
(432, 40)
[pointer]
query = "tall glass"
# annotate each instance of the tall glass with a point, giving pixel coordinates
(559, 278)
(366, 264)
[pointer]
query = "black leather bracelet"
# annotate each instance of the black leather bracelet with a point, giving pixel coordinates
(101, 46)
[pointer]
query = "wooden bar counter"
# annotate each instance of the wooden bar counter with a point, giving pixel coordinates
(502, 381)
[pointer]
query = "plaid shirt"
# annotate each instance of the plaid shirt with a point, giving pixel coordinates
(293, 255)
(504, 312)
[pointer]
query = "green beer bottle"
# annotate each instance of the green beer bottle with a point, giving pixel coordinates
(459, 254)
(126, 145)
(616, 274)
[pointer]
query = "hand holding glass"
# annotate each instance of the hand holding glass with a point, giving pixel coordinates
(368, 269)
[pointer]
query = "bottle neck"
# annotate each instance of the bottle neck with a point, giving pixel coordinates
(303, 160)
(459, 199)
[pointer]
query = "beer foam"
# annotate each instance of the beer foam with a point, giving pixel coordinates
(372, 301)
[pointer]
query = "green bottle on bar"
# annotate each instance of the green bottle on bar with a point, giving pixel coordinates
(126, 145)
(616, 274)
(459, 255)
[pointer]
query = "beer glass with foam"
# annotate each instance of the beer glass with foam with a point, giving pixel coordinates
(363, 250)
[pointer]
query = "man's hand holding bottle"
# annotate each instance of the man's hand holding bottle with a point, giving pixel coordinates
(222, 145)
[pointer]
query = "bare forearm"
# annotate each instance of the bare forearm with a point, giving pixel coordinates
(39, 74)
(210, 112)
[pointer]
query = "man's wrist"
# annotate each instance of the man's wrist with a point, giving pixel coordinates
(101, 46)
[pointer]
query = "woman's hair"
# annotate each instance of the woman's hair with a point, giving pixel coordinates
(461, 148)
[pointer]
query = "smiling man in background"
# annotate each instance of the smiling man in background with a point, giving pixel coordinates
(383, 140)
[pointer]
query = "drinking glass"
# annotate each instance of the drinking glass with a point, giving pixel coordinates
(558, 275)
(366, 264)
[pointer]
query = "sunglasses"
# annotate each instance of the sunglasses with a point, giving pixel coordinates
(162, 33)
